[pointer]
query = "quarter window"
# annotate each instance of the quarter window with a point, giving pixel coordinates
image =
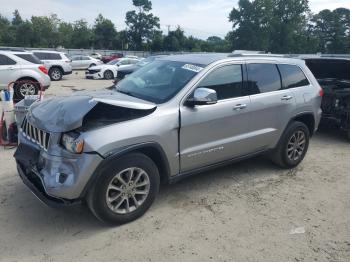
(227, 81)
(4, 60)
(263, 78)
(292, 76)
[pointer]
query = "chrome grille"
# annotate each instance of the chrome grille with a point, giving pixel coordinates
(35, 134)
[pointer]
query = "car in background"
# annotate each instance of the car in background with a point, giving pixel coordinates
(127, 70)
(26, 70)
(96, 56)
(107, 58)
(57, 63)
(109, 71)
(84, 61)
(333, 74)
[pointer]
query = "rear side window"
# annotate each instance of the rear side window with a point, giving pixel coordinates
(48, 56)
(4, 60)
(227, 81)
(263, 78)
(30, 58)
(292, 76)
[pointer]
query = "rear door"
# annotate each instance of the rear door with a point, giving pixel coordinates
(76, 62)
(214, 133)
(271, 105)
(9, 70)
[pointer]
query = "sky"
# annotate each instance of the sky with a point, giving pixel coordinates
(201, 18)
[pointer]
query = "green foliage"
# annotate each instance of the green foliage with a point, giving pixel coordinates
(141, 24)
(287, 26)
(280, 26)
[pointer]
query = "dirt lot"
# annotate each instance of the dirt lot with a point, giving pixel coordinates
(244, 212)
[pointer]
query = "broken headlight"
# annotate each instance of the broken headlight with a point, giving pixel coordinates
(71, 142)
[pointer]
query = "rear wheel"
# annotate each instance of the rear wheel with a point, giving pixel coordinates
(55, 74)
(25, 87)
(108, 75)
(293, 146)
(125, 190)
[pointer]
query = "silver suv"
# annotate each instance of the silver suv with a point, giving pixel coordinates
(24, 69)
(174, 117)
(57, 63)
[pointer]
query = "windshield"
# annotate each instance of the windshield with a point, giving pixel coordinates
(158, 81)
(145, 61)
(113, 62)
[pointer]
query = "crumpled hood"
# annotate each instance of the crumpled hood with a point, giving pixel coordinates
(62, 114)
(103, 67)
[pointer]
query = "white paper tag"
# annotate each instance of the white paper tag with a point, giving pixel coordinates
(193, 68)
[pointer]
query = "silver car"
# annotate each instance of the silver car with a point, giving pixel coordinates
(177, 116)
(84, 62)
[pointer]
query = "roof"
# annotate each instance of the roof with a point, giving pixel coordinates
(45, 51)
(208, 58)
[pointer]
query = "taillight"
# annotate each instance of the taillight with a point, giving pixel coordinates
(43, 69)
(321, 93)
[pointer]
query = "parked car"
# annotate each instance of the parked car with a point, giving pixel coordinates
(127, 70)
(175, 117)
(109, 71)
(57, 63)
(96, 56)
(26, 70)
(333, 74)
(107, 58)
(84, 62)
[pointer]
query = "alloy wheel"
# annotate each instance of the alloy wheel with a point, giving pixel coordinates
(27, 89)
(296, 145)
(56, 74)
(128, 190)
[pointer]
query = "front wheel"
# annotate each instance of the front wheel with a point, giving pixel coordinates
(293, 146)
(125, 189)
(108, 75)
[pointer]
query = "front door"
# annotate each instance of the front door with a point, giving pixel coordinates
(214, 133)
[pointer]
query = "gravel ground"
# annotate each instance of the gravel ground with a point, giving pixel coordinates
(250, 211)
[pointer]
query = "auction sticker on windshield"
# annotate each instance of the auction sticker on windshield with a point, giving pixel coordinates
(193, 68)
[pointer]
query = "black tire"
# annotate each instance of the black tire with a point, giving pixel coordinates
(108, 75)
(283, 155)
(55, 74)
(18, 89)
(97, 196)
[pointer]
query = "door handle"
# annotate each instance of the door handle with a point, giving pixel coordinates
(286, 98)
(239, 107)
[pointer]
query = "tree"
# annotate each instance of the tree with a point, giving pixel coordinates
(141, 23)
(17, 19)
(65, 32)
(45, 31)
(5, 35)
(104, 33)
(82, 34)
(332, 28)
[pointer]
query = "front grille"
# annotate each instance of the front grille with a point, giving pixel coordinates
(35, 134)
(93, 71)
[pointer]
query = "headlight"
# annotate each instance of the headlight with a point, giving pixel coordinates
(72, 142)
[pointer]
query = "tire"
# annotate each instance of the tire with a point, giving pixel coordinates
(101, 195)
(289, 152)
(108, 75)
(25, 87)
(55, 74)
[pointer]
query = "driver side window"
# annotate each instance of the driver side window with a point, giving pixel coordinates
(227, 81)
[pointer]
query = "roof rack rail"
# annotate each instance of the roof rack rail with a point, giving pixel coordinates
(262, 55)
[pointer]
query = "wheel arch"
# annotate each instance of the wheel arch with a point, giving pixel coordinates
(56, 66)
(308, 119)
(152, 150)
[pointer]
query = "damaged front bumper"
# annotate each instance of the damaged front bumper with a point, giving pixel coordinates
(55, 180)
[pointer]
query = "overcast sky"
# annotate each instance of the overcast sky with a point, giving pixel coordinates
(201, 18)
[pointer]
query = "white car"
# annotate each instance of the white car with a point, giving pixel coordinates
(26, 70)
(84, 61)
(57, 63)
(96, 56)
(109, 71)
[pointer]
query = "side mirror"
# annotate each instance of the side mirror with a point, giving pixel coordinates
(203, 96)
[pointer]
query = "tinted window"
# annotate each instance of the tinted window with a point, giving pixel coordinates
(292, 76)
(76, 58)
(226, 81)
(85, 58)
(4, 60)
(263, 78)
(30, 58)
(42, 56)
